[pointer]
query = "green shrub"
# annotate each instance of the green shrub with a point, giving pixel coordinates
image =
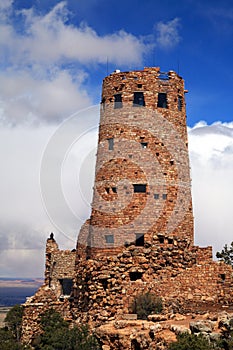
(13, 321)
(226, 340)
(8, 341)
(146, 304)
(187, 341)
(57, 335)
(226, 254)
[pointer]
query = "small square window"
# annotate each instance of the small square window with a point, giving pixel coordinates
(223, 276)
(162, 100)
(156, 196)
(144, 144)
(118, 101)
(109, 239)
(110, 144)
(114, 189)
(138, 100)
(139, 86)
(134, 276)
(161, 239)
(104, 283)
(66, 285)
(180, 103)
(164, 196)
(139, 240)
(103, 102)
(107, 189)
(139, 188)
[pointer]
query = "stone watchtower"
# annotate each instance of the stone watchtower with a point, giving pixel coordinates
(142, 183)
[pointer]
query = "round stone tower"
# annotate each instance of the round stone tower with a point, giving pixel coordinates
(142, 182)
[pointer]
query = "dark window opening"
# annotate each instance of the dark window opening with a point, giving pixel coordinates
(110, 144)
(134, 276)
(223, 276)
(139, 188)
(164, 196)
(172, 162)
(135, 78)
(138, 100)
(118, 101)
(156, 196)
(114, 189)
(109, 239)
(139, 86)
(161, 239)
(144, 144)
(139, 240)
(104, 283)
(103, 102)
(135, 345)
(162, 100)
(157, 154)
(170, 241)
(107, 189)
(66, 285)
(180, 103)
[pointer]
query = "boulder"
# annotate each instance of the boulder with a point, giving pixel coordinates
(204, 326)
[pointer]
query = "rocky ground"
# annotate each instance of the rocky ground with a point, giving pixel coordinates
(159, 330)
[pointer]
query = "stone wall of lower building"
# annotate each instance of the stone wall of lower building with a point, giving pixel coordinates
(104, 288)
(108, 285)
(44, 299)
(56, 292)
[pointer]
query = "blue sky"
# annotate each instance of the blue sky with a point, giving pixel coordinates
(54, 55)
(199, 44)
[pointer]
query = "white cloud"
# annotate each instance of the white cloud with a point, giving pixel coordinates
(5, 8)
(211, 154)
(45, 63)
(168, 34)
(26, 98)
(22, 263)
(24, 223)
(51, 39)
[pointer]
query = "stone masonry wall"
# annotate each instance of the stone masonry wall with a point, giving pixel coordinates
(179, 275)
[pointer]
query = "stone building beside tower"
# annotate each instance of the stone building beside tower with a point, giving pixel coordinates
(140, 235)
